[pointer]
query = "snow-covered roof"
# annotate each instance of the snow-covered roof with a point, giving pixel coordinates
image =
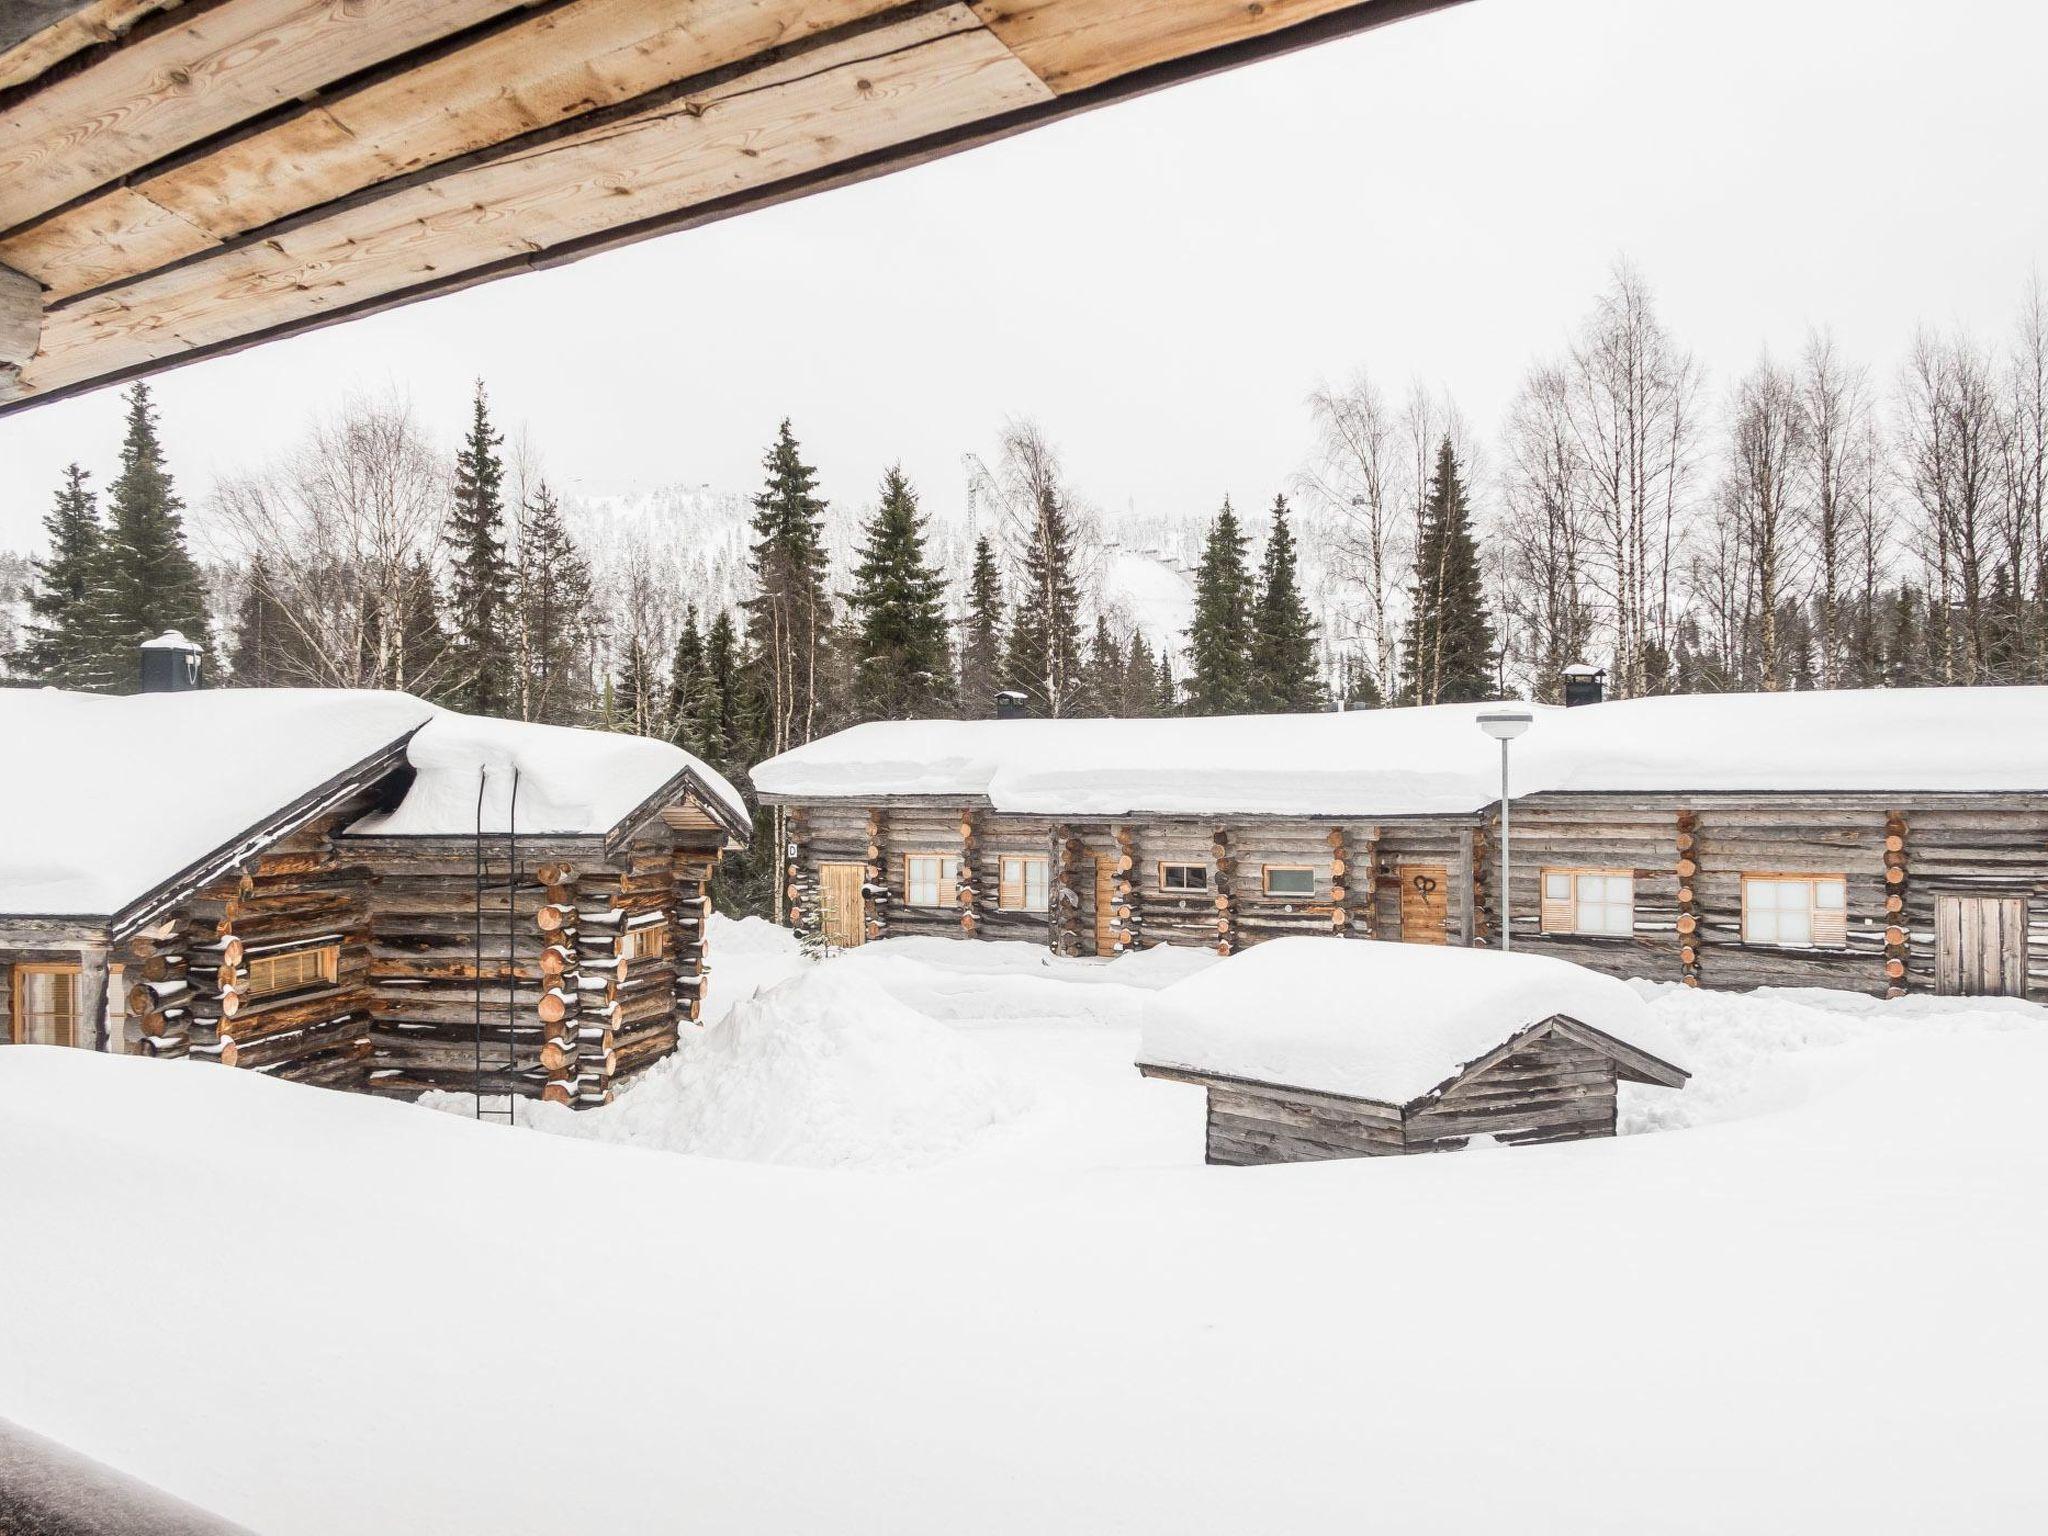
(1367, 1020)
(107, 798)
(569, 782)
(1396, 762)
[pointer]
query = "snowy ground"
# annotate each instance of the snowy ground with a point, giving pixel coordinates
(938, 1260)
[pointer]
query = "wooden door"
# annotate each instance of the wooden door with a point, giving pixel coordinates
(1105, 905)
(840, 889)
(1425, 898)
(45, 1004)
(1980, 946)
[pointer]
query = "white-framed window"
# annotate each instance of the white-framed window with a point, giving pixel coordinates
(1290, 880)
(1184, 877)
(1590, 901)
(1023, 882)
(1802, 911)
(930, 879)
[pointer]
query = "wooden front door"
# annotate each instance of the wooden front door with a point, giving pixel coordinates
(1980, 946)
(45, 1004)
(845, 905)
(1425, 897)
(1105, 905)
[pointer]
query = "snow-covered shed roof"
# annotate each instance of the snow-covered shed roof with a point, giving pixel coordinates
(569, 782)
(1435, 760)
(1365, 1020)
(108, 798)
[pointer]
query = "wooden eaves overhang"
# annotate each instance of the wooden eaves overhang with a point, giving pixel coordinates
(184, 178)
(161, 898)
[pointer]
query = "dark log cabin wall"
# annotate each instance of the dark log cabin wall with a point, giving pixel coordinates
(1433, 879)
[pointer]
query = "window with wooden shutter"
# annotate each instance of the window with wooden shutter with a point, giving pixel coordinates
(1796, 911)
(1596, 902)
(1025, 882)
(649, 942)
(1184, 877)
(46, 1004)
(293, 970)
(930, 879)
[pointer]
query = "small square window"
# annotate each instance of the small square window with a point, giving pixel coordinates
(1024, 882)
(929, 879)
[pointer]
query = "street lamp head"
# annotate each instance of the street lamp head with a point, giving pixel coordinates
(1505, 724)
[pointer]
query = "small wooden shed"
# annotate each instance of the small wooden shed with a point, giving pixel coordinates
(1314, 1048)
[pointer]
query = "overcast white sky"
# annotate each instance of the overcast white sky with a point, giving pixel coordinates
(1161, 283)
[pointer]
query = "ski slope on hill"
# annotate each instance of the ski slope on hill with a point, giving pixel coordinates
(1803, 1296)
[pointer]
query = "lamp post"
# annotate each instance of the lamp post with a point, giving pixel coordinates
(1504, 725)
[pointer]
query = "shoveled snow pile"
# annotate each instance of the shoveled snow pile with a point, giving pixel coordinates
(823, 1070)
(1433, 759)
(541, 778)
(1375, 1021)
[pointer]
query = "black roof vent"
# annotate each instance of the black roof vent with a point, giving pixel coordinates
(1584, 684)
(170, 664)
(1012, 705)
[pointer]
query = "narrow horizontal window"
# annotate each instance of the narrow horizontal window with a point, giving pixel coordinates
(293, 970)
(1024, 882)
(1290, 880)
(1601, 902)
(1183, 877)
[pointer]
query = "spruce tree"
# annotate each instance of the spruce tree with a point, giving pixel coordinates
(148, 581)
(719, 734)
(422, 638)
(1042, 660)
(904, 662)
(1449, 654)
(266, 649)
(483, 655)
(1104, 673)
(1140, 698)
(635, 695)
(1220, 637)
(1285, 676)
(554, 608)
(1169, 690)
(981, 652)
(789, 617)
(686, 685)
(61, 645)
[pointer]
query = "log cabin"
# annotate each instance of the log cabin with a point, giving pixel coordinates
(1882, 841)
(355, 889)
(1310, 1049)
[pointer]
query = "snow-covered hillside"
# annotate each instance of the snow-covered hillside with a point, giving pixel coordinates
(1000, 1292)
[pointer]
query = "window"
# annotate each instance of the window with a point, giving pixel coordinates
(645, 943)
(1184, 877)
(1023, 882)
(1807, 911)
(1290, 880)
(1595, 901)
(46, 1005)
(294, 970)
(928, 879)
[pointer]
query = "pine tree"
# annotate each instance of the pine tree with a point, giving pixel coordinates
(790, 615)
(554, 607)
(61, 647)
(1220, 638)
(635, 694)
(1449, 654)
(1169, 690)
(720, 733)
(481, 595)
(1042, 660)
(1285, 678)
(686, 684)
(981, 653)
(147, 581)
(904, 665)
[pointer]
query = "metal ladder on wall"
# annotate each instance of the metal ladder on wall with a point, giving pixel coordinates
(507, 1112)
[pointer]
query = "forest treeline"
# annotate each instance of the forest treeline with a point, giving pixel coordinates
(1806, 526)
